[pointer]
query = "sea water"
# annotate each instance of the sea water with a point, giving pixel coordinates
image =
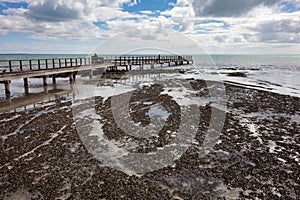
(38, 56)
(275, 73)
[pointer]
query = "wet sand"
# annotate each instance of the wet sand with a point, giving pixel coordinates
(256, 157)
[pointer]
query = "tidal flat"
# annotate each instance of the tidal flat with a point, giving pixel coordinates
(256, 156)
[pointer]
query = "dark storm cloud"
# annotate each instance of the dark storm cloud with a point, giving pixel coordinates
(228, 8)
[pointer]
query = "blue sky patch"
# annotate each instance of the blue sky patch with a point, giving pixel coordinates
(101, 25)
(152, 5)
(176, 28)
(17, 37)
(288, 7)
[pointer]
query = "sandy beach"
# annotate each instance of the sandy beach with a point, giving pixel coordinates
(255, 157)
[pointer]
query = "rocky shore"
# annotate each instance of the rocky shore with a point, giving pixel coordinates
(257, 155)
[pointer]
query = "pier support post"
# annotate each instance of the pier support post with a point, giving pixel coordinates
(26, 86)
(45, 89)
(91, 74)
(71, 78)
(7, 88)
(45, 81)
(53, 79)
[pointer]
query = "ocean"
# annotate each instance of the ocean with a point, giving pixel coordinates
(38, 56)
(275, 73)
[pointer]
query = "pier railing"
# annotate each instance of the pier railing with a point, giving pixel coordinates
(137, 60)
(40, 64)
(126, 62)
(54, 63)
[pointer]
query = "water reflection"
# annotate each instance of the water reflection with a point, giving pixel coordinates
(31, 100)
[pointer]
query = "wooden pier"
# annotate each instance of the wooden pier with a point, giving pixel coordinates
(58, 67)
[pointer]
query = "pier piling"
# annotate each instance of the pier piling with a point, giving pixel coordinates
(7, 88)
(45, 81)
(26, 89)
(71, 78)
(91, 74)
(53, 79)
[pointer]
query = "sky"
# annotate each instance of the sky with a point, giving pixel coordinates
(218, 26)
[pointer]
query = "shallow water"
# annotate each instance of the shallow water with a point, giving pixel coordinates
(278, 73)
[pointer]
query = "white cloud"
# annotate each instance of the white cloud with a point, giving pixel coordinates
(109, 13)
(262, 23)
(45, 47)
(147, 12)
(15, 23)
(182, 15)
(65, 10)
(281, 28)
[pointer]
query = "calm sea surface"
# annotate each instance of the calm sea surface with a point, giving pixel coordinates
(38, 56)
